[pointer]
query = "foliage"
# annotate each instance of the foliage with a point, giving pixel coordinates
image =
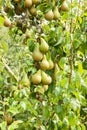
(63, 106)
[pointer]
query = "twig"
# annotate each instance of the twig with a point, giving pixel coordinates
(9, 69)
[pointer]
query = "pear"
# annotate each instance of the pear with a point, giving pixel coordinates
(64, 6)
(49, 15)
(39, 89)
(37, 55)
(35, 1)
(56, 13)
(7, 22)
(46, 79)
(51, 64)
(44, 47)
(56, 70)
(45, 87)
(36, 78)
(33, 10)
(44, 65)
(25, 81)
(28, 3)
(8, 118)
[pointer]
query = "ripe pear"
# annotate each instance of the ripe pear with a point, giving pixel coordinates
(28, 3)
(35, 1)
(56, 13)
(45, 87)
(64, 6)
(25, 81)
(44, 47)
(7, 22)
(56, 70)
(37, 55)
(36, 78)
(33, 10)
(46, 79)
(49, 15)
(51, 64)
(44, 65)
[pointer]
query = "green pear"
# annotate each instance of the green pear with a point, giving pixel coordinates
(44, 47)
(39, 89)
(36, 78)
(37, 55)
(33, 11)
(46, 79)
(45, 87)
(64, 6)
(25, 81)
(56, 13)
(8, 118)
(49, 15)
(44, 65)
(35, 1)
(56, 70)
(51, 64)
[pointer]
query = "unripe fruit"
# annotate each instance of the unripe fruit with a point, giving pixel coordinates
(35, 1)
(56, 70)
(28, 3)
(16, 1)
(7, 22)
(25, 81)
(64, 6)
(46, 79)
(49, 15)
(45, 87)
(51, 64)
(33, 10)
(56, 13)
(44, 47)
(44, 65)
(8, 118)
(37, 55)
(36, 78)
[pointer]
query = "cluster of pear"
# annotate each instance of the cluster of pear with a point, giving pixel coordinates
(19, 8)
(41, 77)
(55, 14)
(30, 5)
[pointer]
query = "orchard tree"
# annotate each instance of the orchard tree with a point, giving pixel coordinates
(43, 65)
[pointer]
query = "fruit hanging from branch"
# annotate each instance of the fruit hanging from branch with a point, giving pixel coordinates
(44, 65)
(8, 118)
(64, 6)
(46, 79)
(44, 47)
(28, 3)
(33, 11)
(35, 2)
(49, 15)
(7, 22)
(56, 13)
(36, 78)
(37, 55)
